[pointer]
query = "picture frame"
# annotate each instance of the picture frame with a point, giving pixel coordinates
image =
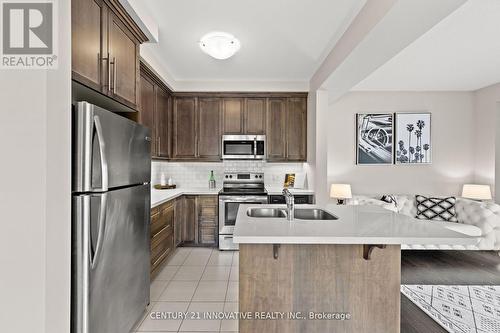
(374, 138)
(413, 138)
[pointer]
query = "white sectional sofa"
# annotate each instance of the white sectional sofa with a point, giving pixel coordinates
(477, 219)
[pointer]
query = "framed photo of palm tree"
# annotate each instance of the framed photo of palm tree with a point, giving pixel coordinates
(413, 138)
(374, 138)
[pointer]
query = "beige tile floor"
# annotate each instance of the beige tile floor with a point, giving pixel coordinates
(195, 280)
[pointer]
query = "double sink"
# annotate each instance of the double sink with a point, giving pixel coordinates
(300, 213)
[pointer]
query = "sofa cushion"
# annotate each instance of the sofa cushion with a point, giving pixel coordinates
(365, 200)
(436, 209)
(466, 229)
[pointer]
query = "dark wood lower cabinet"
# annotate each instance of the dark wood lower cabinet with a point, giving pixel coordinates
(162, 235)
(207, 220)
(190, 227)
(186, 220)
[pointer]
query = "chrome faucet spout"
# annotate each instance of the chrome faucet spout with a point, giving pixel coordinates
(290, 204)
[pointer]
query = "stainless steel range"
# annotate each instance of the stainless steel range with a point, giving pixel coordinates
(238, 188)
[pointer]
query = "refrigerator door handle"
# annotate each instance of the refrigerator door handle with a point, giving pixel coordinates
(102, 229)
(102, 151)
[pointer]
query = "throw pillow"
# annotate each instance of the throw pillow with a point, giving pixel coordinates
(389, 199)
(436, 209)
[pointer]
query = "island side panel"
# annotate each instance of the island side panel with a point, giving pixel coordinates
(321, 278)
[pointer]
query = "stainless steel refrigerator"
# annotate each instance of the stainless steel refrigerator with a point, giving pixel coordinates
(110, 225)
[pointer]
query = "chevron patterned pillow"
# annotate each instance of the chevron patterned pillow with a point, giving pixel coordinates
(436, 209)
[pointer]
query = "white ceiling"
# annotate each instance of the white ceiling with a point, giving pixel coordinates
(281, 40)
(460, 53)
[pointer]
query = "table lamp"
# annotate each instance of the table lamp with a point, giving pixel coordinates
(476, 192)
(340, 192)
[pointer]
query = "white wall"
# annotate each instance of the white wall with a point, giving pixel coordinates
(452, 137)
(35, 194)
(486, 108)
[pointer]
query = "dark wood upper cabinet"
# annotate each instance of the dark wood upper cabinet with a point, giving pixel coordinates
(255, 116)
(275, 132)
(184, 128)
(209, 137)
(163, 117)
(105, 49)
(147, 109)
(296, 129)
(155, 112)
(123, 61)
(198, 120)
(86, 48)
(232, 115)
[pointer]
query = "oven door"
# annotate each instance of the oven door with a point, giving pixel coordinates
(243, 147)
(228, 209)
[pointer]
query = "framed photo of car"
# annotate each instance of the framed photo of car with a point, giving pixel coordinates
(374, 138)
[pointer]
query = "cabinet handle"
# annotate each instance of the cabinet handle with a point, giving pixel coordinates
(108, 63)
(114, 75)
(159, 145)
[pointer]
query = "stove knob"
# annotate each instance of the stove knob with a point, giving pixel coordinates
(260, 176)
(256, 176)
(227, 176)
(231, 176)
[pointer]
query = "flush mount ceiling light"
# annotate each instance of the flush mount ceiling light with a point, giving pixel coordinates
(219, 45)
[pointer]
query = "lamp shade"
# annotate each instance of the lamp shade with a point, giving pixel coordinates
(340, 191)
(476, 192)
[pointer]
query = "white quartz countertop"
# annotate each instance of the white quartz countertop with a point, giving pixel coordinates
(355, 225)
(159, 197)
(296, 191)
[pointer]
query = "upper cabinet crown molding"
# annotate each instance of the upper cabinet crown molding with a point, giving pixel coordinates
(122, 14)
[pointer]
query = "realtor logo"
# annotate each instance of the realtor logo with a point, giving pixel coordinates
(28, 34)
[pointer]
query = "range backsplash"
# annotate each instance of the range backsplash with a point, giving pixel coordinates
(196, 174)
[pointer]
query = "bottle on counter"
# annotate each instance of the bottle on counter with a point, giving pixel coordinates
(163, 180)
(211, 181)
(170, 181)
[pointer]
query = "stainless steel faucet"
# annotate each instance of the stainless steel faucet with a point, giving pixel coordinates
(290, 204)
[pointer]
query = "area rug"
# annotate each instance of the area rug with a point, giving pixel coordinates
(459, 309)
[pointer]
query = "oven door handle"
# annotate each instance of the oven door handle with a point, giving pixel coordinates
(258, 199)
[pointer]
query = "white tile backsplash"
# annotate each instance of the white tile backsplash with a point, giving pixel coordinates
(196, 174)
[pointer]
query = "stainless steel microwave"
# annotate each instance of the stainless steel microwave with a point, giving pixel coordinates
(244, 147)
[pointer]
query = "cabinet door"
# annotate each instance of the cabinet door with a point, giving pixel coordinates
(184, 128)
(209, 137)
(124, 61)
(296, 129)
(179, 218)
(233, 115)
(207, 219)
(275, 133)
(163, 116)
(190, 226)
(86, 47)
(147, 109)
(255, 116)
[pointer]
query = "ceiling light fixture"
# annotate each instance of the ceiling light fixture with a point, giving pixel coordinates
(219, 45)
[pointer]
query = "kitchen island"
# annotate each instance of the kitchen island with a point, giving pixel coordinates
(337, 275)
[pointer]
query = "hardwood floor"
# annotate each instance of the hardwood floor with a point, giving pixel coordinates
(450, 267)
(443, 267)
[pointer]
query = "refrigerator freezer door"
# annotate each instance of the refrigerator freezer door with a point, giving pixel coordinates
(110, 259)
(108, 150)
